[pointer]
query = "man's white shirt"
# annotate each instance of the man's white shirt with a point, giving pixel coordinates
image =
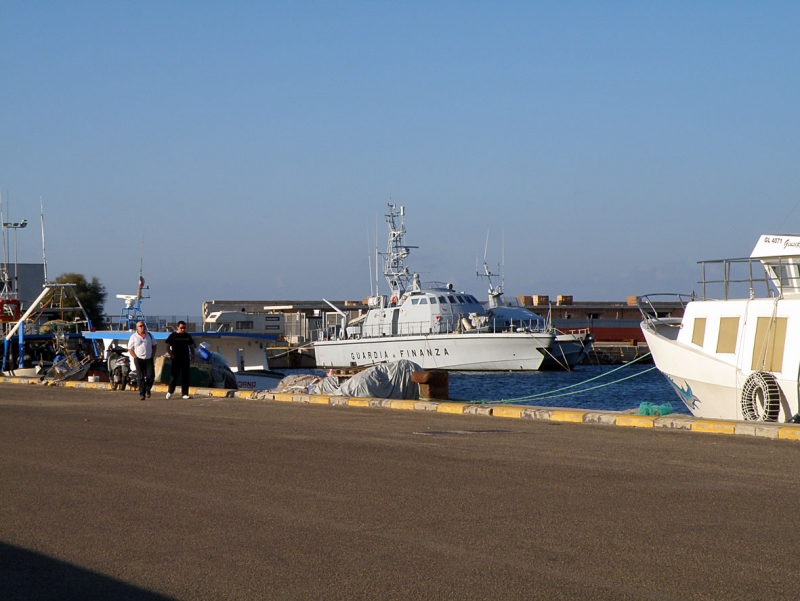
(142, 347)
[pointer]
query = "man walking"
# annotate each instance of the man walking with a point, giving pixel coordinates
(142, 347)
(180, 346)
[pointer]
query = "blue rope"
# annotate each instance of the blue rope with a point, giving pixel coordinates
(549, 394)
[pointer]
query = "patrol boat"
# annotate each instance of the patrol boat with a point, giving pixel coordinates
(736, 358)
(432, 325)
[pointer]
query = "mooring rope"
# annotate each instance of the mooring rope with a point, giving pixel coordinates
(550, 393)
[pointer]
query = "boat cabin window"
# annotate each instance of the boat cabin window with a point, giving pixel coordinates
(461, 300)
(769, 343)
(452, 300)
(728, 333)
(699, 331)
(414, 301)
(442, 300)
(244, 325)
(785, 276)
(474, 300)
(433, 300)
(423, 301)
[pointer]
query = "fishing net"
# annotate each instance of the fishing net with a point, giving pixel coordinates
(647, 408)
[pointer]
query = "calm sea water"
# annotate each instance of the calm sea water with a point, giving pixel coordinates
(602, 387)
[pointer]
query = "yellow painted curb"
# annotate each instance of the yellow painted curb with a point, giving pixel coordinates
(319, 399)
(356, 402)
(636, 421)
(789, 433)
(407, 405)
(218, 392)
(283, 397)
(713, 427)
(71, 384)
(565, 415)
(451, 407)
(502, 411)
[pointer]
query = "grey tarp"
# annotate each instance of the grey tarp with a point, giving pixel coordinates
(382, 381)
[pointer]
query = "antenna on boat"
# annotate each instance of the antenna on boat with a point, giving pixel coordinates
(3, 241)
(44, 254)
(132, 311)
(377, 254)
(141, 264)
(503, 259)
(495, 292)
(369, 258)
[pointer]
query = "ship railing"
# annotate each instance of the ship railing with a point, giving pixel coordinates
(652, 306)
(447, 324)
(534, 326)
(748, 277)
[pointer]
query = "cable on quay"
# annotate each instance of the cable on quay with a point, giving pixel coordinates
(542, 396)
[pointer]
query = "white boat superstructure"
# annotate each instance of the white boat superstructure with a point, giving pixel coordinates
(737, 358)
(432, 325)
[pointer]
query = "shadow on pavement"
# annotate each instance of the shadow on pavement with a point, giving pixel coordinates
(30, 576)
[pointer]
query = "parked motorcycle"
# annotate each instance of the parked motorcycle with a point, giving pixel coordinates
(119, 368)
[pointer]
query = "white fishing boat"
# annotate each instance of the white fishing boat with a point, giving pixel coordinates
(255, 377)
(432, 325)
(568, 348)
(240, 355)
(736, 356)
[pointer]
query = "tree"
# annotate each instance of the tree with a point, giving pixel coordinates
(91, 294)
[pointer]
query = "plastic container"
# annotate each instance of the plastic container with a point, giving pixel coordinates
(204, 351)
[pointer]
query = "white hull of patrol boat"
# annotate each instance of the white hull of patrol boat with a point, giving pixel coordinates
(464, 352)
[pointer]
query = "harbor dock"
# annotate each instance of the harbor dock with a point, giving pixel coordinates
(225, 497)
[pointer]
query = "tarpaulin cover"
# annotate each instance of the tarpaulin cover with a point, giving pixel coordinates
(382, 381)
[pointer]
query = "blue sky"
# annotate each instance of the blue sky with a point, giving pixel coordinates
(255, 145)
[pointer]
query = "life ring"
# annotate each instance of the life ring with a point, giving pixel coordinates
(761, 397)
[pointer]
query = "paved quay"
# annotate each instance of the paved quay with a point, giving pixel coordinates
(105, 496)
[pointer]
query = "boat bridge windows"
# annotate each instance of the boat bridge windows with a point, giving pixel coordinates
(785, 276)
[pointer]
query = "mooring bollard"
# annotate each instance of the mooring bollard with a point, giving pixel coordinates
(433, 384)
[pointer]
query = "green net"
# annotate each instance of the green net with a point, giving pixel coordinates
(647, 408)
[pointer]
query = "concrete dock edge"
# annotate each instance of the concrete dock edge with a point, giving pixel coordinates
(626, 419)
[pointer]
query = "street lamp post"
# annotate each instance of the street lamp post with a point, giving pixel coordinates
(15, 225)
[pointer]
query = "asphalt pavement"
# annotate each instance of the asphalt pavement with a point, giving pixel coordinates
(103, 496)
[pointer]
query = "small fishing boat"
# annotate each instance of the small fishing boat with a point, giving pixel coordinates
(39, 342)
(234, 356)
(737, 355)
